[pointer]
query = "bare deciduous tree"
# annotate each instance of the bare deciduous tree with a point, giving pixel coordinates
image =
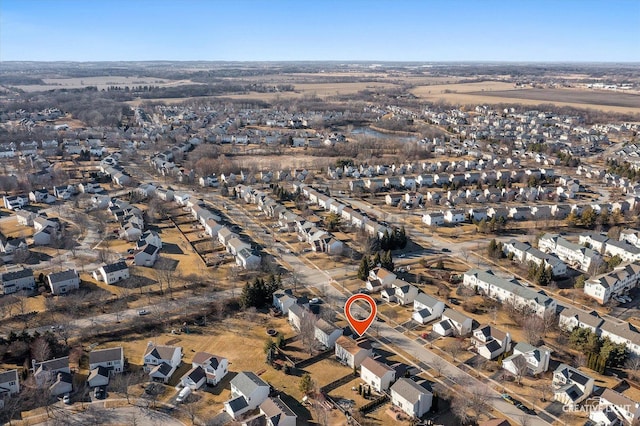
(308, 331)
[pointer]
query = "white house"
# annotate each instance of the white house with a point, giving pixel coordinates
(380, 278)
(147, 256)
(615, 283)
(622, 405)
(491, 342)
(454, 216)
(215, 367)
(161, 361)
(25, 217)
(571, 386)
(54, 373)
(63, 282)
(98, 376)
(15, 202)
(9, 385)
(112, 359)
(248, 391)
(297, 313)
(15, 281)
(194, 379)
(352, 352)
(433, 219)
(327, 333)
(405, 292)
(284, 300)
(411, 397)
(527, 360)
(113, 272)
(377, 374)
(571, 318)
(426, 308)
(277, 413)
(453, 323)
(510, 291)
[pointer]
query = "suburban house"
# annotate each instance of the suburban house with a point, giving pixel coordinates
(510, 291)
(525, 253)
(54, 373)
(491, 342)
(149, 237)
(16, 281)
(327, 333)
(41, 196)
(63, 282)
(352, 352)
(215, 367)
(411, 397)
(433, 219)
(380, 278)
(44, 236)
(577, 256)
(405, 293)
(147, 256)
(15, 202)
(194, 379)
(377, 374)
(248, 391)
(612, 284)
(112, 273)
(112, 359)
(297, 313)
(426, 308)
(453, 323)
(161, 361)
(25, 217)
(284, 300)
(570, 385)
(623, 407)
(247, 258)
(527, 360)
(98, 377)
(571, 318)
(9, 385)
(276, 413)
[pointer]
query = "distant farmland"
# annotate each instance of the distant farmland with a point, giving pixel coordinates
(570, 95)
(489, 92)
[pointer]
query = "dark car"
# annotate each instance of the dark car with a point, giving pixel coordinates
(100, 392)
(446, 250)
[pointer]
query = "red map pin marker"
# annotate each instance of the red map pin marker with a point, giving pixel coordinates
(360, 327)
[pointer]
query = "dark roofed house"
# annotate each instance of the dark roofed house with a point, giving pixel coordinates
(113, 272)
(248, 391)
(63, 282)
(15, 281)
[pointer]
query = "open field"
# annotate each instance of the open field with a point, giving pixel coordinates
(493, 92)
(101, 82)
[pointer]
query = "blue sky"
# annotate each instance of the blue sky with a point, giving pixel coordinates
(272, 30)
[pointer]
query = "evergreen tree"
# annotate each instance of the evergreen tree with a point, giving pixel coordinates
(306, 384)
(363, 270)
(387, 261)
(376, 260)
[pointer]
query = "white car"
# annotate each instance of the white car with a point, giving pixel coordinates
(314, 301)
(66, 400)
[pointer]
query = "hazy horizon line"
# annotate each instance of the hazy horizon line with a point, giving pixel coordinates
(335, 61)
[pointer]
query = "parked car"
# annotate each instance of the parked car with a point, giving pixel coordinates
(314, 301)
(143, 312)
(184, 394)
(99, 392)
(66, 399)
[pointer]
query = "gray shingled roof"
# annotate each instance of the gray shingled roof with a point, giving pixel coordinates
(246, 382)
(409, 390)
(14, 275)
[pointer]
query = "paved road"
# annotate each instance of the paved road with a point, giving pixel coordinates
(314, 277)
